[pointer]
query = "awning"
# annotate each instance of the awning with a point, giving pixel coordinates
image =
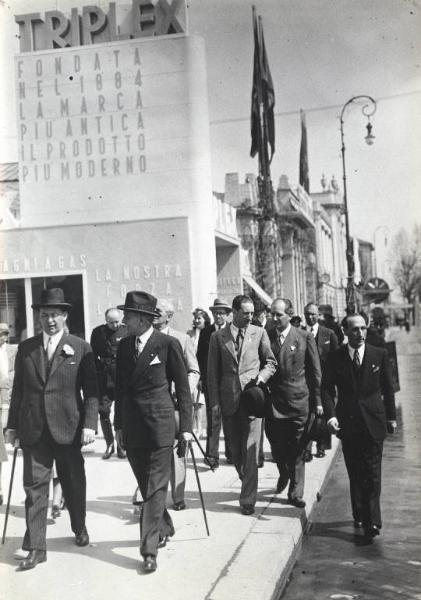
(259, 291)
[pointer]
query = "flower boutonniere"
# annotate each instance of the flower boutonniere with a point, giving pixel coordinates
(292, 348)
(375, 368)
(68, 350)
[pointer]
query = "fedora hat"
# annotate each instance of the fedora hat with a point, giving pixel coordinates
(220, 304)
(255, 401)
(54, 298)
(140, 302)
(4, 328)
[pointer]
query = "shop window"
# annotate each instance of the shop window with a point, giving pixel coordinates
(73, 293)
(12, 308)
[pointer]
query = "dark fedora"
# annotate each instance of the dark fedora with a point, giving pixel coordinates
(255, 401)
(220, 304)
(140, 302)
(53, 298)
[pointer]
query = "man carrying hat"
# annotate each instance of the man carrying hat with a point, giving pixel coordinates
(53, 412)
(220, 312)
(148, 363)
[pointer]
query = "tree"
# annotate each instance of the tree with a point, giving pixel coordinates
(406, 262)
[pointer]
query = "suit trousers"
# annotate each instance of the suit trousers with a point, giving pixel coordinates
(37, 465)
(151, 467)
(104, 410)
(178, 475)
(213, 431)
(363, 460)
(286, 438)
(244, 435)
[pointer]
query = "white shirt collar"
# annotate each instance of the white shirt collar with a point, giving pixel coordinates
(314, 329)
(55, 339)
(360, 351)
(145, 336)
(234, 329)
(285, 332)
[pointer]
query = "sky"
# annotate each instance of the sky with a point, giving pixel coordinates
(321, 54)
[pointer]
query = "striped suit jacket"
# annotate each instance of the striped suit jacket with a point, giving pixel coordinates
(63, 396)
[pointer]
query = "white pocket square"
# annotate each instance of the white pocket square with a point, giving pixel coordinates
(155, 361)
(327, 342)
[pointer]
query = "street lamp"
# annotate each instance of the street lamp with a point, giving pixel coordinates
(368, 109)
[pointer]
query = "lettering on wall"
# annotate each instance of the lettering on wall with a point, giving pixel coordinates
(89, 124)
(92, 24)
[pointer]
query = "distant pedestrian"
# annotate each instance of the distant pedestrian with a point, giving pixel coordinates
(295, 389)
(104, 341)
(240, 355)
(53, 412)
(326, 342)
(7, 370)
(220, 312)
(162, 322)
(201, 321)
(365, 410)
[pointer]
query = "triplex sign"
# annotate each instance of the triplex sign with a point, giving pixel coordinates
(144, 18)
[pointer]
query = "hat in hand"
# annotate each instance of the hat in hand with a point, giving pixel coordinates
(255, 401)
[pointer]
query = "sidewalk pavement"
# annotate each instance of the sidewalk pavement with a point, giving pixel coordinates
(245, 557)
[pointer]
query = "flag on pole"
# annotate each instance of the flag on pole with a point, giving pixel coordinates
(262, 97)
(304, 177)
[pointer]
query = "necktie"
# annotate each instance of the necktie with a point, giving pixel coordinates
(239, 341)
(139, 347)
(50, 350)
(313, 332)
(356, 361)
(281, 339)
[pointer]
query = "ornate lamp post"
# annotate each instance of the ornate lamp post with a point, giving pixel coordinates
(368, 109)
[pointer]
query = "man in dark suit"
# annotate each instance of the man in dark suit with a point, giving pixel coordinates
(104, 341)
(326, 341)
(365, 410)
(295, 391)
(53, 412)
(148, 362)
(220, 312)
(240, 355)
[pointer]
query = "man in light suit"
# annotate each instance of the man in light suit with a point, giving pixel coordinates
(240, 355)
(295, 395)
(53, 412)
(326, 341)
(148, 363)
(165, 312)
(360, 376)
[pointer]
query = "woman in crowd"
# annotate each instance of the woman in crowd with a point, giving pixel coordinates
(201, 319)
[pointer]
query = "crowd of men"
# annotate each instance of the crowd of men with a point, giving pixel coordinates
(257, 373)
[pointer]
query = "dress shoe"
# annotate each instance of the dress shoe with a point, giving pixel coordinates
(34, 557)
(281, 484)
(320, 453)
(149, 563)
(55, 511)
(358, 524)
(82, 538)
(260, 465)
(179, 505)
(121, 453)
(247, 509)
(308, 457)
(109, 451)
(372, 531)
(298, 502)
(213, 463)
